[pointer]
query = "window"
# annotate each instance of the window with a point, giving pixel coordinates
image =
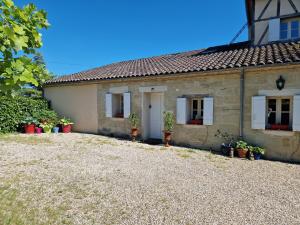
(283, 31)
(295, 29)
(279, 113)
(197, 106)
(289, 29)
(195, 110)
(118, 106)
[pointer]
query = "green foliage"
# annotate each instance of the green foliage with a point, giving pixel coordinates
(46, 126)
(229, 139)
(29, 120)
(64, 121)
(241, 144)
(169, 121)
(15, 110)
(258, 150)
(19, 38)
(134, 120)
(46, 116)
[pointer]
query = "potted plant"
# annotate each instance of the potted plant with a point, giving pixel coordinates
(47, 118)
(258, 152)
(29, 124)
(242, 148)
(47, 127)
(66, 125)
(227, 147)
(134, 121)
(38, 129)
(169, 121)
(55, 129)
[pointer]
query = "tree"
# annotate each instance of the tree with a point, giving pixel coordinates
(29, 90)
(19, 41)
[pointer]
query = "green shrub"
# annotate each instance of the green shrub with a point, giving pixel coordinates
(46, 116)
(169, 121)
(15, 110)
(134, 120)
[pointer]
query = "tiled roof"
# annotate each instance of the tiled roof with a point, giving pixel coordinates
(214, 58)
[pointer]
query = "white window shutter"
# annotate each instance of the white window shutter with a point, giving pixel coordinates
(181, 111)
(108, 105)
(208, 111)
(296, 113)
(127, 104)
(274, 30)
(259, 112)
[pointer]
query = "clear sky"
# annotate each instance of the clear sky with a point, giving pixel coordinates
(89, 33)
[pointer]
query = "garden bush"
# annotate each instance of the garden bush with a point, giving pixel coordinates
(14, 110)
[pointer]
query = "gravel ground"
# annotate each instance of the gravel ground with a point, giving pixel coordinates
(89, 179)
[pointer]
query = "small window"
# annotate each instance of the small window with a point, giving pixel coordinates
(290, 29)
(118, 106)
(197, 106)
(295, 29)
(283, 31)
(279, 113)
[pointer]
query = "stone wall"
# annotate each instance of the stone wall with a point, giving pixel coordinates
(225, 88)
(281, 145)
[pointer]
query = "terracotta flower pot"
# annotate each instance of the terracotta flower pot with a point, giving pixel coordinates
(134, 133)
(29, 128)
(242, 153)
(66, 128)
(167, 138)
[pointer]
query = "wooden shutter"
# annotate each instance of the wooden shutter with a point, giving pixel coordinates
(127, 105)
(296, 113)
(259, 112)
(108, 105)
(208, 111)
(181, 111)
(274, 30)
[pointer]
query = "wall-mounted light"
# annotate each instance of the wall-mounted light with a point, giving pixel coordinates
(280, 82)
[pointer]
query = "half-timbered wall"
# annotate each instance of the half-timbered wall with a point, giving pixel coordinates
(267, 10)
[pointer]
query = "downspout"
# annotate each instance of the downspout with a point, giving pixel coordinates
(242, 96)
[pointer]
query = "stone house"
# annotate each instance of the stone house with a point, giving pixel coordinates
(249, 89)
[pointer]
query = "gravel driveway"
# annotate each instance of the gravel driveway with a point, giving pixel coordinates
(89, 179)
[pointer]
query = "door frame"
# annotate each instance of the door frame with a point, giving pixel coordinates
(145, 98)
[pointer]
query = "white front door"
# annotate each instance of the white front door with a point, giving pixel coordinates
(156, 115)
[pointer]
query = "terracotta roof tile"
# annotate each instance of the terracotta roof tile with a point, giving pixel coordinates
(214, 58)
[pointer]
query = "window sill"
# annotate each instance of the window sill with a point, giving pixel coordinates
(193, 125)
(285, 133)
(118, 118)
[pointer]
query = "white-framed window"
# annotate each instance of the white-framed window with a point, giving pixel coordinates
(279, 113)
(197, 109)
(118, 105)
(290, 29)
(276, 113)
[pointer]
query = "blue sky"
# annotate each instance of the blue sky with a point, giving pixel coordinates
(91, 33)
